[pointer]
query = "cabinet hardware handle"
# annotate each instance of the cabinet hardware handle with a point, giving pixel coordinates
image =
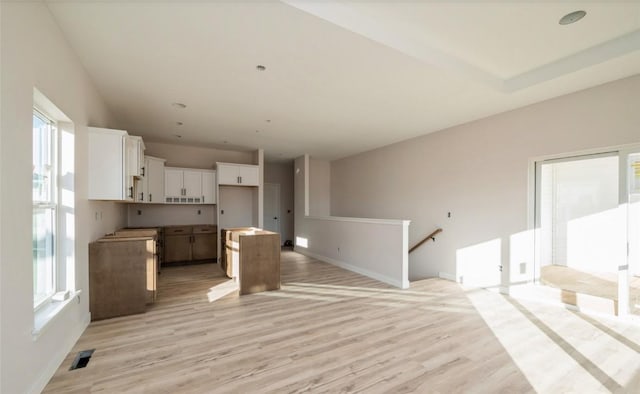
(143, 171)
(142, 196)
(131, 191)
(203, 199)
(150, 197)
(240, 179)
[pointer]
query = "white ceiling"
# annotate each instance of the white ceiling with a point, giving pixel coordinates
(342, 77)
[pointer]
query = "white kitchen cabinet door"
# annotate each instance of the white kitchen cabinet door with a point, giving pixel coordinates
(108, 179)
(238, 174)
(172, 183)
(141, 185)
(183, 185)
(154, 179)
(249, 175)
(208, 187)
(192, 184)
(227, 174)
(134, 157)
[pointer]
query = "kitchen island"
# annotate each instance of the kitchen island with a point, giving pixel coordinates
(251, 256)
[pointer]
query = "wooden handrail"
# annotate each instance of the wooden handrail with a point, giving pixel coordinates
(428, 237)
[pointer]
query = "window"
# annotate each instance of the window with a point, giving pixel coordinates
(53, 218)
(45, 196)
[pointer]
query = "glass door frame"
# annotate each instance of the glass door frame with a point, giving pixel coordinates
(533, 203)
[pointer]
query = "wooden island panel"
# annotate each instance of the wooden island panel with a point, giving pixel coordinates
(119, 270)
(252, 255)
(259, 262)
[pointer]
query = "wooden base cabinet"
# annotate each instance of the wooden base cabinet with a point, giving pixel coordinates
(190, 243)
(253, 257)
(259, 262)
(122, 276)
(204, 245)
(177, 244)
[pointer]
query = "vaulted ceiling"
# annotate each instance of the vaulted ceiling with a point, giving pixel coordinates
(340, 77)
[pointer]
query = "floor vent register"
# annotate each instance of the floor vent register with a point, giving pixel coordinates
(82, 359)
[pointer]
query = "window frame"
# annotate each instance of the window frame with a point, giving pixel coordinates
(52, 203)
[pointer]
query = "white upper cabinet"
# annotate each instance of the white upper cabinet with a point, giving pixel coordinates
(238, 174)
(109, 177)
(208, 187)
(134, 147)
(154, 175)
(150, 186)
(172, 183)
(189, 186)
(192, 183)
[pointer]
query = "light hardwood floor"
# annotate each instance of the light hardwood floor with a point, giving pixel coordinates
(331, 330)
(604, 285)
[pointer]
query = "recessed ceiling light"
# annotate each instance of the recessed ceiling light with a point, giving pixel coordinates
(177, 135)
(179, 105)
(572, 17)
(257, 131)
(260, 67)
(224, 142)
(179, 123)
(268, 120)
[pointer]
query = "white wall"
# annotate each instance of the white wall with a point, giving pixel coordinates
(478, 172)
(195, 157)
(319, 187)
(35, 54)
(372, 247)
(237, 202)
(157, 215)
(282, 174)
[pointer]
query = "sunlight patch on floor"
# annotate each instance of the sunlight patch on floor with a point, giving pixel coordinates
(566, 357)
(220, 290)
(305, 291)
(365, 289)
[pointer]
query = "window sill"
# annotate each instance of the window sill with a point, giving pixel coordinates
(45, 315)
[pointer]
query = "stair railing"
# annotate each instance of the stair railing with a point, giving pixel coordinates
(431, 236)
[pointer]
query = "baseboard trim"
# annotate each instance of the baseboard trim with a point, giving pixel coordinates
(51, 368)
(353, 268)
(447, 276)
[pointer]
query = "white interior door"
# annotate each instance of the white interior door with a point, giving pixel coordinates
(272, 207)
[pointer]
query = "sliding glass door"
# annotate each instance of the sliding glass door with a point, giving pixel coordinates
(630, 274)
(588, 228)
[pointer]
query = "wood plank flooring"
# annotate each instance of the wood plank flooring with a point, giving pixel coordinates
(329, 330)
(603, 285)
